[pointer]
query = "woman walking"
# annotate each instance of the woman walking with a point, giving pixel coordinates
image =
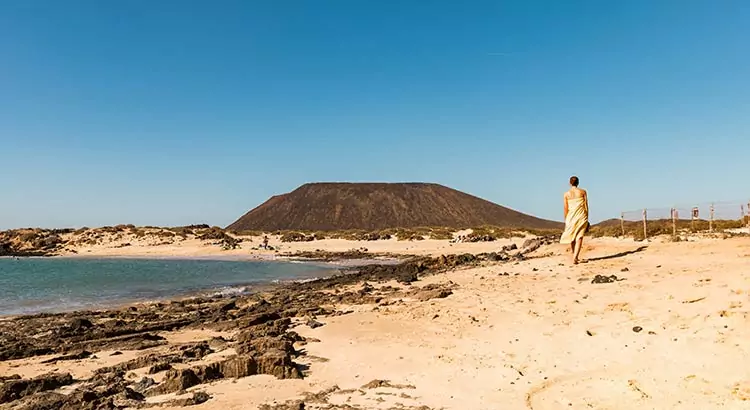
(576, 207)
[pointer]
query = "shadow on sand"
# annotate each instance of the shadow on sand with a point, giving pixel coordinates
(619, 255)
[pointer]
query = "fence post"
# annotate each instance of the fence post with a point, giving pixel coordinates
(748, 214)
(674, 222)
(645, 230)
(711, 220)
(692, 219)
(622, 223)
(742, 214)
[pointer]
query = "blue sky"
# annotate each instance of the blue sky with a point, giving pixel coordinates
(173, 112)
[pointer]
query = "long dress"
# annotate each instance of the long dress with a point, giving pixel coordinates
(577, 220)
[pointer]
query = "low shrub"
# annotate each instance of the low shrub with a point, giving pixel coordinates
(659, 227)
(296, 237)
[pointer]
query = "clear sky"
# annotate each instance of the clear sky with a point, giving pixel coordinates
(174, 112)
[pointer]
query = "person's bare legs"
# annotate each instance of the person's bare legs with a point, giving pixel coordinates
(573, 252)
(577, 245)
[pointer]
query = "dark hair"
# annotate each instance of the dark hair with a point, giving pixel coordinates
(574, 181)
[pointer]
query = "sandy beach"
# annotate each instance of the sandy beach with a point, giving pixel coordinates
(667, 333)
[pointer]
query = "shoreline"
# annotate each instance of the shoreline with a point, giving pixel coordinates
(328, 268)
(444, 332)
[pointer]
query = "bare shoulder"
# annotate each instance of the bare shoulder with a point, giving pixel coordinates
(583, 191)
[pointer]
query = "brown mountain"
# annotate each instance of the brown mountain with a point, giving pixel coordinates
(373, 206)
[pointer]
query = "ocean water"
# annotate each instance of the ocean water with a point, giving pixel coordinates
(33, 285)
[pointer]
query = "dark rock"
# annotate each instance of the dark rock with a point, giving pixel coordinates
(175, 380)
(76, 356)
(137, 363)
(637, 329)
(258, 319)
(278, 363)
(605, 279)
(238, 366)
(80, 324)
(292, 405)
(195, 351)
(12, 390)
(131, 394)
(264, 343)
(159, 367)
(79, 400)
(274, 362)
(232, 305)
(143, 385)
(530, 245)
(314, 324)
(108, 380)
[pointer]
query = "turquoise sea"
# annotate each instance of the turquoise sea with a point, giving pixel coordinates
(33, 285)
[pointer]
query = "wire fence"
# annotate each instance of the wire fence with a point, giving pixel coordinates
(705, 217)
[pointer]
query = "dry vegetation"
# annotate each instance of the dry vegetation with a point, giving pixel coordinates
(661, 227)
(482, 233)
(28, 242)
(46, 242)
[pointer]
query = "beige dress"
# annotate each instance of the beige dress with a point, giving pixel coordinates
(577, 221)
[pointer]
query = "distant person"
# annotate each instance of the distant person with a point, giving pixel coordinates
(265, 242)
(576, 206)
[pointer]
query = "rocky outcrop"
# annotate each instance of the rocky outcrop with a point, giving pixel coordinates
(17, 389)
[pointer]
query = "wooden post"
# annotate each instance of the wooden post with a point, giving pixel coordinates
(693, 217)
(622, 223)
(674, 222)
(748, 214)
(645, 230)
(742, 214)
(711, 220)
